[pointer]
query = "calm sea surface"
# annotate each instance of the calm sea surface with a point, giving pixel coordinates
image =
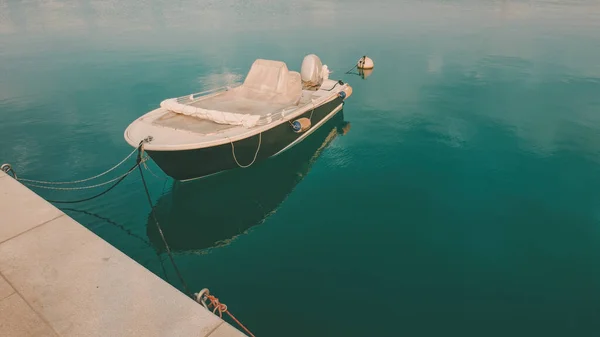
(458, 193)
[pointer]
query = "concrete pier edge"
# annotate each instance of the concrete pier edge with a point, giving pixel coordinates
(57, 278)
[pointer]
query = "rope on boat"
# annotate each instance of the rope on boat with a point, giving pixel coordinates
(216, 306)
(255, 154)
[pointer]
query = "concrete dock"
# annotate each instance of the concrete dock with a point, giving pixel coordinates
(59, 279)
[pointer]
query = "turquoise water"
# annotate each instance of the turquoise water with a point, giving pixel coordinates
(459, 193)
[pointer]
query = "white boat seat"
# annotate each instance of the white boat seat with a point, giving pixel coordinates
(269, 88)
(271, 81)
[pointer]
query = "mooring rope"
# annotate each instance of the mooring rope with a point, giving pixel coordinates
(137, 164)
(81, 187)
(356, 65)
(349, 71)
(255, 154)
(82, 180)
(217, 306)
(149, 170)
(162, 235)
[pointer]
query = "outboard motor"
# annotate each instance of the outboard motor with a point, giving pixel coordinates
(312, 71)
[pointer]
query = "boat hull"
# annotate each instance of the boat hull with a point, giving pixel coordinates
(198, 163)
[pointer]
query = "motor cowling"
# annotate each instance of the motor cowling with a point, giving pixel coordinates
(311, 71)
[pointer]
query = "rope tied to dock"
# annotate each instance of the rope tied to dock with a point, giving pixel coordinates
(115, 181)
(215, 306)
(153, 213)
(82, 180)
(77, 188)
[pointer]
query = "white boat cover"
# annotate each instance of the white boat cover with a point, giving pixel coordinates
(269, 87)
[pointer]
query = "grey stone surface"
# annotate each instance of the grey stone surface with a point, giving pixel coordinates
(18, 320)
(21, 209)
(59, 279)
(5, 288)
(85, 287)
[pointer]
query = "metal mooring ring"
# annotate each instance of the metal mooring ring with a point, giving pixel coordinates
(201, 297)
(6, 168)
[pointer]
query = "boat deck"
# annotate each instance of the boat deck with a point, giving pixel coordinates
(241, 105)
(182, 122)
(237, 105)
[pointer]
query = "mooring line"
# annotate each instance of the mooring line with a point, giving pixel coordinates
(216, 306)
(162, 235)
(82, 180)
(137, 164)
(77, 188)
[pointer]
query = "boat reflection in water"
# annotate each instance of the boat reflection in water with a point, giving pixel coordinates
(210, 212)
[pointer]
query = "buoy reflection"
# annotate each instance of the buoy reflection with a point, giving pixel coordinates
(364, 73)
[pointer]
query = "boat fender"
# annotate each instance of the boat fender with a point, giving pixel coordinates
(301, 125)
(342, 94)
(348, 91)
(365, 63)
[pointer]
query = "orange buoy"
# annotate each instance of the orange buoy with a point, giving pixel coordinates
(348, 91)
